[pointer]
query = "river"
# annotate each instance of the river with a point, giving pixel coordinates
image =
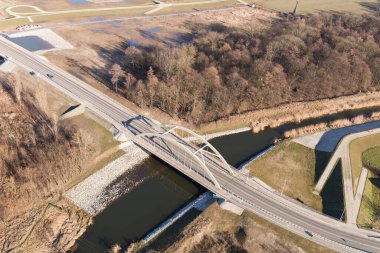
(137, 212)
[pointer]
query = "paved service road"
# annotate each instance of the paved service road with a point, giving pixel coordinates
(342, 153)
(243, 191)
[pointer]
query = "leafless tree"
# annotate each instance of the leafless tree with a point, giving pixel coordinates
(117, 73)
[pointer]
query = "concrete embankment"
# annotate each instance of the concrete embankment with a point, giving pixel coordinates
(200, 203)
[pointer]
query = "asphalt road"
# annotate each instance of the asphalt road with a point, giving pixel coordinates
(245, 192)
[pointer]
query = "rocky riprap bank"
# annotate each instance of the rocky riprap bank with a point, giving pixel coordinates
(94, 193)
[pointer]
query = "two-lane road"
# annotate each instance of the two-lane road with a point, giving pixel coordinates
(240, 190)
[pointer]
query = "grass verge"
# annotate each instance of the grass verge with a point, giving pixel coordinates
(369, 213)
(106, 147)
(290, 168)
(371, 158)
(100, 135)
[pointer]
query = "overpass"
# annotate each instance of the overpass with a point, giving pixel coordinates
(202, 163)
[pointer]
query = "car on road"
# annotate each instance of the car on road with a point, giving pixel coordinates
(309, 233)
(32, 73)
(50, 76)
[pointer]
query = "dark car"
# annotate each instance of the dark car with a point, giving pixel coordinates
(309, 233)
(50, 76)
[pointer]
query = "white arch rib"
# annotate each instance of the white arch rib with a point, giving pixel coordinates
(204, 141)
(187, 150)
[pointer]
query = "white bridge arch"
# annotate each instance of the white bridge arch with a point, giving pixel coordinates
(168, 134)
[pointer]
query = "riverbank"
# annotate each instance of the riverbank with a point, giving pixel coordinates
(95, 192)
(294, 113)
(218, 230)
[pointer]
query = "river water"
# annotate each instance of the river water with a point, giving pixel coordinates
(137, 212)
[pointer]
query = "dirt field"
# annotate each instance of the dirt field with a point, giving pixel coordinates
(312, 6)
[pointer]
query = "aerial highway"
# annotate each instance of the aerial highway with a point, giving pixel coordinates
(201, 163)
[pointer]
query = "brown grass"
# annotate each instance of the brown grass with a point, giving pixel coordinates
(217, 230)
(312, 6)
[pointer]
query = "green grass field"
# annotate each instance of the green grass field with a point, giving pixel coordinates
(294, 169)
(369, 214)
(314, 6)
(370, 207)
(357, 147)
(371, 157)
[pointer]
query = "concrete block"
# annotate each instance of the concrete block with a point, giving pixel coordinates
(7, 67)
(118, 135)
(230, 207)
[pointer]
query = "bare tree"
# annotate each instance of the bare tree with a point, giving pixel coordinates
(117, 73)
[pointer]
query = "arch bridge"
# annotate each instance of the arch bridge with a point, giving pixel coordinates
(178, 142)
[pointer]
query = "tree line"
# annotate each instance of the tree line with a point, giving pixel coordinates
(230, 71)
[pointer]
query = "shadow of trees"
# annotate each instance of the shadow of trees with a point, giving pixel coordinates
(373, 7)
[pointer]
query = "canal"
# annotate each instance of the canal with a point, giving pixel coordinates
(165, 191)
